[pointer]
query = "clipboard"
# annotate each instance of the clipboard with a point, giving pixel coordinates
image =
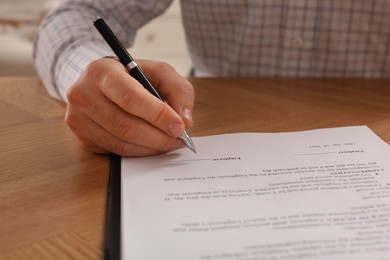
(112, 230)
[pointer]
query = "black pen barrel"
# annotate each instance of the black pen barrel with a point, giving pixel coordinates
(139, 75)
(116, 46)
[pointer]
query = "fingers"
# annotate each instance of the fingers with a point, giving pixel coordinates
(176, 90)
(98, 140)
(110, 111)
(132, 97)
(111, 130)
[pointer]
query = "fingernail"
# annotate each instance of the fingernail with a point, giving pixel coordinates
(176, 129)
(187, 113)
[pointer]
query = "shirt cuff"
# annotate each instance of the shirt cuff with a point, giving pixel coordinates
(74, 62)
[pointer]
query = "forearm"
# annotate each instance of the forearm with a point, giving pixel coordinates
(67, 42)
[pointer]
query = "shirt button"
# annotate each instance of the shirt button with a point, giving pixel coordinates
(298, 42)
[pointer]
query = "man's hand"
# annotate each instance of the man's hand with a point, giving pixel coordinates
(110, 111)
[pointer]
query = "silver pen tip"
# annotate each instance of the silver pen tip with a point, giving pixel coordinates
(186, 139)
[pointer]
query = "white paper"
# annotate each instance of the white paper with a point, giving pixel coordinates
(320, 194)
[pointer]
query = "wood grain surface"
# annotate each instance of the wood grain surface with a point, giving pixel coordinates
(53, 191)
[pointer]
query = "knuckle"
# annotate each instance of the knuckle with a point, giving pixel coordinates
(165, 145)
(121, 148)
(130, 99)
(187, 87)
(159, 67)
(70, 120)
(91, 147)
(127, 129)
(70, 94)
(159, 115)
(165, 67)
(73, 95)
(93, 70)
(97, 75)
(107, 79)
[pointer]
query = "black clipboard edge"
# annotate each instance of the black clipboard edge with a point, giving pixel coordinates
(112, 231)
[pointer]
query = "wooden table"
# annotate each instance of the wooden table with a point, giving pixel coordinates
(53, 191)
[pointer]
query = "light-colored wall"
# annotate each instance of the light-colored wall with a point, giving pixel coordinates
(19, 20)
(15, 52)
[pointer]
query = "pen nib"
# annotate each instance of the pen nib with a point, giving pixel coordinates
(186, 139)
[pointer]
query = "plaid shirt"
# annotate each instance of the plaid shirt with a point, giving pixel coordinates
(296, 38)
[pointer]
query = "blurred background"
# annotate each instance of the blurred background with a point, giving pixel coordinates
(162, 39)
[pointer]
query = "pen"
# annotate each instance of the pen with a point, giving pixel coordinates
(133, 68)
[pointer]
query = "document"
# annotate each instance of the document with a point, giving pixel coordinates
(319, 194)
